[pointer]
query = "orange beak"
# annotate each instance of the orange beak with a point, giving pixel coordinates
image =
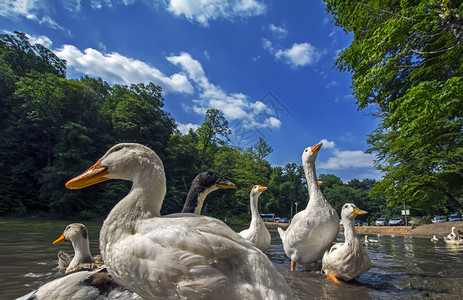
(60, 239)
(316, 148)
(92, 176)
(261, 188)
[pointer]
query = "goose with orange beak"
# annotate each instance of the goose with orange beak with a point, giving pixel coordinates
(347, 260)
(313, 229)
(257, 233)
(178, 256)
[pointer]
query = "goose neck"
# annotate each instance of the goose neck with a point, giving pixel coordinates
(349, 229)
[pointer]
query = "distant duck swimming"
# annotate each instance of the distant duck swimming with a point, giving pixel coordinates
(257, 233)
(312, 230)
(349, 259)
(434, 238)
(77, 234)
(368, 240)
(176, 256)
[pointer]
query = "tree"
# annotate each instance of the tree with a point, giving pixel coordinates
(213, 128)
(405, 60)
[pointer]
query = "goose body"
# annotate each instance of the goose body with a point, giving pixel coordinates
(179, 256)
(454, 234)
(257, 233)
(77, 234)
(349, 259)
(312, 230)
(369, 241)
(89, 285)
(454, 237)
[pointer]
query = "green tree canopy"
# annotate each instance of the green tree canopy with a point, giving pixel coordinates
(406, 62)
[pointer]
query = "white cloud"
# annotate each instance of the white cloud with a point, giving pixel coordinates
(206, 10)
(347, 159)
(41, 39)
(300, 55)
(185, 128)
(116, 68)
(278, 31)
(235, 106)
(331, 84)
(30, 9)
(328, 144)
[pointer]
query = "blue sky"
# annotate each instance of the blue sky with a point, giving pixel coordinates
(267, 65)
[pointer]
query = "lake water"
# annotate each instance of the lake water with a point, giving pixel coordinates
(403, 267)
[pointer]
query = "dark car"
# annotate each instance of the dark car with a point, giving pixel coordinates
(396, 222)
(455, 217)
(284, 220)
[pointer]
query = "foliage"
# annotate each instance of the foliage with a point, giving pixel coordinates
(406, 63)
(54, 128)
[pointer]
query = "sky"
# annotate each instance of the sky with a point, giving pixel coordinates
(267, 65)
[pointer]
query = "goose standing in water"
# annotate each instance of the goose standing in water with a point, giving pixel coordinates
(78, 235)
(184, 256)
(347, 260)
(203, 184)
(313, 229)
(257, 233)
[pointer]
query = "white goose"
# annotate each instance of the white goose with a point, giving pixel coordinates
(78, 235)
(434, 238)
(257, 233)
(454, 234)
(88, 285)
(313, 229)
(347, 260)
(368, 240)
(182, 255)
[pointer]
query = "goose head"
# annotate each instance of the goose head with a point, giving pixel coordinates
(132, 162)
(257, 190)
(128, 161)
(75, 232)
(350, 211)
(210, 181)
(310, 154)
(203, 184)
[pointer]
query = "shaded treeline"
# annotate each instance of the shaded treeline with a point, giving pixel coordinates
(53, 128)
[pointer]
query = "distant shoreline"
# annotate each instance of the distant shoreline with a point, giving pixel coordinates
(426, 230)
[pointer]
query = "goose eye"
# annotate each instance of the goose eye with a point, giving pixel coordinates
(117, 149)
(306, 150)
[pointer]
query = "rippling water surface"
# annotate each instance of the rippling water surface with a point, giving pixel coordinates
(403, 267)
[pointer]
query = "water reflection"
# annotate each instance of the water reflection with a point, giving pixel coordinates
(403, 267)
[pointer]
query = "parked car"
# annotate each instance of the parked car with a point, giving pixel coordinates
(438, 219)
(381, 222)
(365, 224)
(358, 222)
(284, 220)
(396, 222)
(276, 220)
(455, 217)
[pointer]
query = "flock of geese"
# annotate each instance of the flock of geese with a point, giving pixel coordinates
(189, 256)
